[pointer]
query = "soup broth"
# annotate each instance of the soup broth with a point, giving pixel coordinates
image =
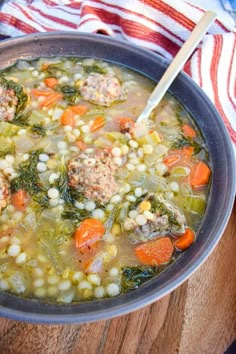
(92, 204)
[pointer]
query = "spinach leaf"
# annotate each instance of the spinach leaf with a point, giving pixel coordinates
(70, 93)
(157, 205)
(28, 180)
(22, 119)
(183, 141)
(38, 129)
(20, 93)
(133, 277)
(53, 70)
(94, 69)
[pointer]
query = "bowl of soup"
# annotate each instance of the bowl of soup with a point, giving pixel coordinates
(100, 215)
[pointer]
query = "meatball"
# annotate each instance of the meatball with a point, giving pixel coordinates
(4, 192)
(101, 89)
(8, 103)
(168, 218)
(93, 175)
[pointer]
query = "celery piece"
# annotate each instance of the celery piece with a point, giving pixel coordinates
(122, 212)
(152, 138)
(194, 204)
(8, 129)
(102, 142)
(116, 136)
(7, 146)
(52, 254)
(179, 171)
(137, 179)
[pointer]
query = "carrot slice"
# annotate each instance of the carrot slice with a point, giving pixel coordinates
(44, 93)
(200, 174)
(50, 100)
(20, 199)
(155, 252)
(171, 160)
(187, 151)
(98, 123)
(81, 145)
(189, 131)
(179, 156)
(88, 233)
(80, 109)
(51, 82)
(50, 97)
(185, 240)
(68, 118)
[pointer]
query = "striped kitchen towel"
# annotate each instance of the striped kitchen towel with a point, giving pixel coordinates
(158, 25)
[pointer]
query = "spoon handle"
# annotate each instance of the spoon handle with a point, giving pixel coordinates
(177, 64)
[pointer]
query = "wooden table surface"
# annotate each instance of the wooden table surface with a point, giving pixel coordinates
(197, 318)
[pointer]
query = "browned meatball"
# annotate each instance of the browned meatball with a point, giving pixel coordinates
(168, 218)
(101, 89)
(8, 104)
(4, 192)
(93, 175)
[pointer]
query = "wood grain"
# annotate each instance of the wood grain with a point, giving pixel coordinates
(197, 318)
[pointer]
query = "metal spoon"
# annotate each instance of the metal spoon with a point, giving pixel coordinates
(177, 64)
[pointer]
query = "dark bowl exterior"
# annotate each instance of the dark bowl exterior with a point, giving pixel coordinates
(222, 163)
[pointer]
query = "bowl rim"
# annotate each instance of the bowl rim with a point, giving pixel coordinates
(115, 306)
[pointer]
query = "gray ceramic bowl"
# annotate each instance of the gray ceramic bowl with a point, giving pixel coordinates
(222, 163)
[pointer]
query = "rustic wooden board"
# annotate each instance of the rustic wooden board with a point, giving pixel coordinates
(197, 318)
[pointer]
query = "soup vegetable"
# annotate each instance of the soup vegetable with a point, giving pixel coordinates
(91, 203)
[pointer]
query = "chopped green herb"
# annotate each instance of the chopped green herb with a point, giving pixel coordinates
(137, 202)
(70, 196)
(28, 180)
(22, 119)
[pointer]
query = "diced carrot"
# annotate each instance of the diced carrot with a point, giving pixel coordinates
(155, 252)
(179, 156)
(185, 240)
(37, 92)
(189, 131)
(98, 123)
(171, 160)
(200, 174)
(20, 199)
(88, 233)
(80, 109)
(51, 82)
(81, 145)
(188, 151)
(68, 118)
(50, 97)
(50, 100)
(126, 125)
